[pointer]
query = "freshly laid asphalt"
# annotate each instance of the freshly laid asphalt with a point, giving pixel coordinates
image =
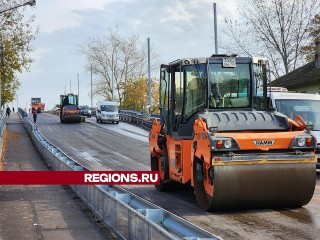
(39, 211)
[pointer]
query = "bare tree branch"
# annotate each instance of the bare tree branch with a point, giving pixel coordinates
(277, 29)
(127, 56)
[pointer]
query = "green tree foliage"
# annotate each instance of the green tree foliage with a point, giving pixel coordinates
(16, 34)
(136, 94)
(314, 34)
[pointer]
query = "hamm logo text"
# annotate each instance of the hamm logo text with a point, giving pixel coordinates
(264, 142)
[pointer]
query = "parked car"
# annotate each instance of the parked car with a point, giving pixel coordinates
(93, 111)
(85, 111)
(304, 104)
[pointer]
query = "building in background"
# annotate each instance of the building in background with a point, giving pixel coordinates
(305, 79)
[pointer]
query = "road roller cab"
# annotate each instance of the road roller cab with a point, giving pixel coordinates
(216, 132)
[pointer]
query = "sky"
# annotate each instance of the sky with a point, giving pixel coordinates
(176, 28)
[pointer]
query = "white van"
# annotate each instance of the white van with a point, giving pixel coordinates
(107, 111)
(304, 104)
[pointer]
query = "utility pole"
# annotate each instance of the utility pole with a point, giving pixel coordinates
(70, 86)
(112, 80)
(91, 87)
(78, 89)
(149, 78)
(215, 28)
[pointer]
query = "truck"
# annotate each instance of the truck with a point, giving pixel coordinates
(37, 104)
(69, 109)
(216, 133)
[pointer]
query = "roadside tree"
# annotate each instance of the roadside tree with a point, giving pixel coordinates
(136, 94)
(16, 34)
(276, 29)
(123, 59)
(314, 33)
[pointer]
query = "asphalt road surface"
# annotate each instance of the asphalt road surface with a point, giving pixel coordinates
(109, 147)
(40, 212)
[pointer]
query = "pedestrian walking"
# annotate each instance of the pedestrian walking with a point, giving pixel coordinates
(35, 114)
(12, 109)
(8, 111)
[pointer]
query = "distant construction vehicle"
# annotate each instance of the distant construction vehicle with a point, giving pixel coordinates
(69, 110)
(217, 133)
(37, 104)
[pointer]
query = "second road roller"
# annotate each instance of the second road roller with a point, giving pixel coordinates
(69, 109)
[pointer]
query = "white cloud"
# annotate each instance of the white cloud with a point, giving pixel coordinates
(39, 53)
(177, 29)
(177, 13)
(53, 15)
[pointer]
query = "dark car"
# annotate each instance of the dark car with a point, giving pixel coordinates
(85, 111)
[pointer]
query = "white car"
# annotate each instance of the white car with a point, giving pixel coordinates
(107, 111)
(304, 104)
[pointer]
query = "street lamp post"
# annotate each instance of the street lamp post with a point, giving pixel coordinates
(91, 87)
(18, 99)
(112, 80)
(149, 77)
(30, 3)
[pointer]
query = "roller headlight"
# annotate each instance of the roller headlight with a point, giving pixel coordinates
(227, 144)
(303, 141)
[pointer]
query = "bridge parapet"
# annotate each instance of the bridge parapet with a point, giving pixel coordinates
(128, 215)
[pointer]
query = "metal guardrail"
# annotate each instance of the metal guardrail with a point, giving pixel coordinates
(22, 112)
(2, 127)
(136, 117)
(128, 215)
(2, 123)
